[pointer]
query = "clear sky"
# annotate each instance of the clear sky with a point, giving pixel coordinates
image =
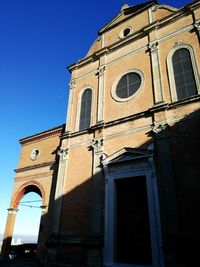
(38, 39)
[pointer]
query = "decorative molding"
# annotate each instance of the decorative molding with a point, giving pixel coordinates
(50, 163)
(63, 152)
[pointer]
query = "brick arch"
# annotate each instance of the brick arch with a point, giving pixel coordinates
(30, 186)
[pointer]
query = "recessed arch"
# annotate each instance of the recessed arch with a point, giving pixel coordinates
(31, 186)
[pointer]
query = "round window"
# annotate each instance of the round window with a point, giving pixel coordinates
(128, 85)
(125, 32)
(35, 153)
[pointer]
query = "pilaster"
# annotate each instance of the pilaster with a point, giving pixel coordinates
(100, 110)
(157, 83)
(63, 154)
(72, 85)
(167, 190)
(197, 28)
(12, 212)
(94, 254)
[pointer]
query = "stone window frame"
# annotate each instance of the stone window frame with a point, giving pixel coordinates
(122, 32)
(171, 78)
(78, 112)
(114, 86)
(33, 156)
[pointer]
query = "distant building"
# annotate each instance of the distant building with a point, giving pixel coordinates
(120, 183)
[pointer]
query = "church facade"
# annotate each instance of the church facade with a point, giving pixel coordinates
(120, 181)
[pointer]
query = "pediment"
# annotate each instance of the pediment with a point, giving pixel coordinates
(127, 154)
(125, 13)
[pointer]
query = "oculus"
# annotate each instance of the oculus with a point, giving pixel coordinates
(35, 153)
(125, 32)
(127, 85)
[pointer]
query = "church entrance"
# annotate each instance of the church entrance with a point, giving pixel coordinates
(132, 223)
(132, 234)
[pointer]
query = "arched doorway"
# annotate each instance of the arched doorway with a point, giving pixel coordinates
(24, 196)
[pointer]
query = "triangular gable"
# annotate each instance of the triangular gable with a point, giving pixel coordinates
(127, 154)
(125, 14)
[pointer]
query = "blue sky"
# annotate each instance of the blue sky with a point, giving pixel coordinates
(38, 39)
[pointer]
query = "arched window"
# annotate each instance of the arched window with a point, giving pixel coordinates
(85, 111)
(183, 74)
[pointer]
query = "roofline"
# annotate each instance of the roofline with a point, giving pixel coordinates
(148, 4)
(179, 12)
(41, 135)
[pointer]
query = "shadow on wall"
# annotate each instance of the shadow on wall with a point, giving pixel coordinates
(176, 156)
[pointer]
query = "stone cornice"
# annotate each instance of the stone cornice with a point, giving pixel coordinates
(57, 131)
(147, 113)
(32, 167)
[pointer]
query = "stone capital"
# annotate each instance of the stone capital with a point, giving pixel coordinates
(153, 46)
(97, 145)
(197, 25)
(160, 128)
(12, 210)
(101, 70)
(72, 84)
(63, 152)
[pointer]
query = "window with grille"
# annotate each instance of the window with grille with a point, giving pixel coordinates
(183, 74)
(128, 85)
(85, 112)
